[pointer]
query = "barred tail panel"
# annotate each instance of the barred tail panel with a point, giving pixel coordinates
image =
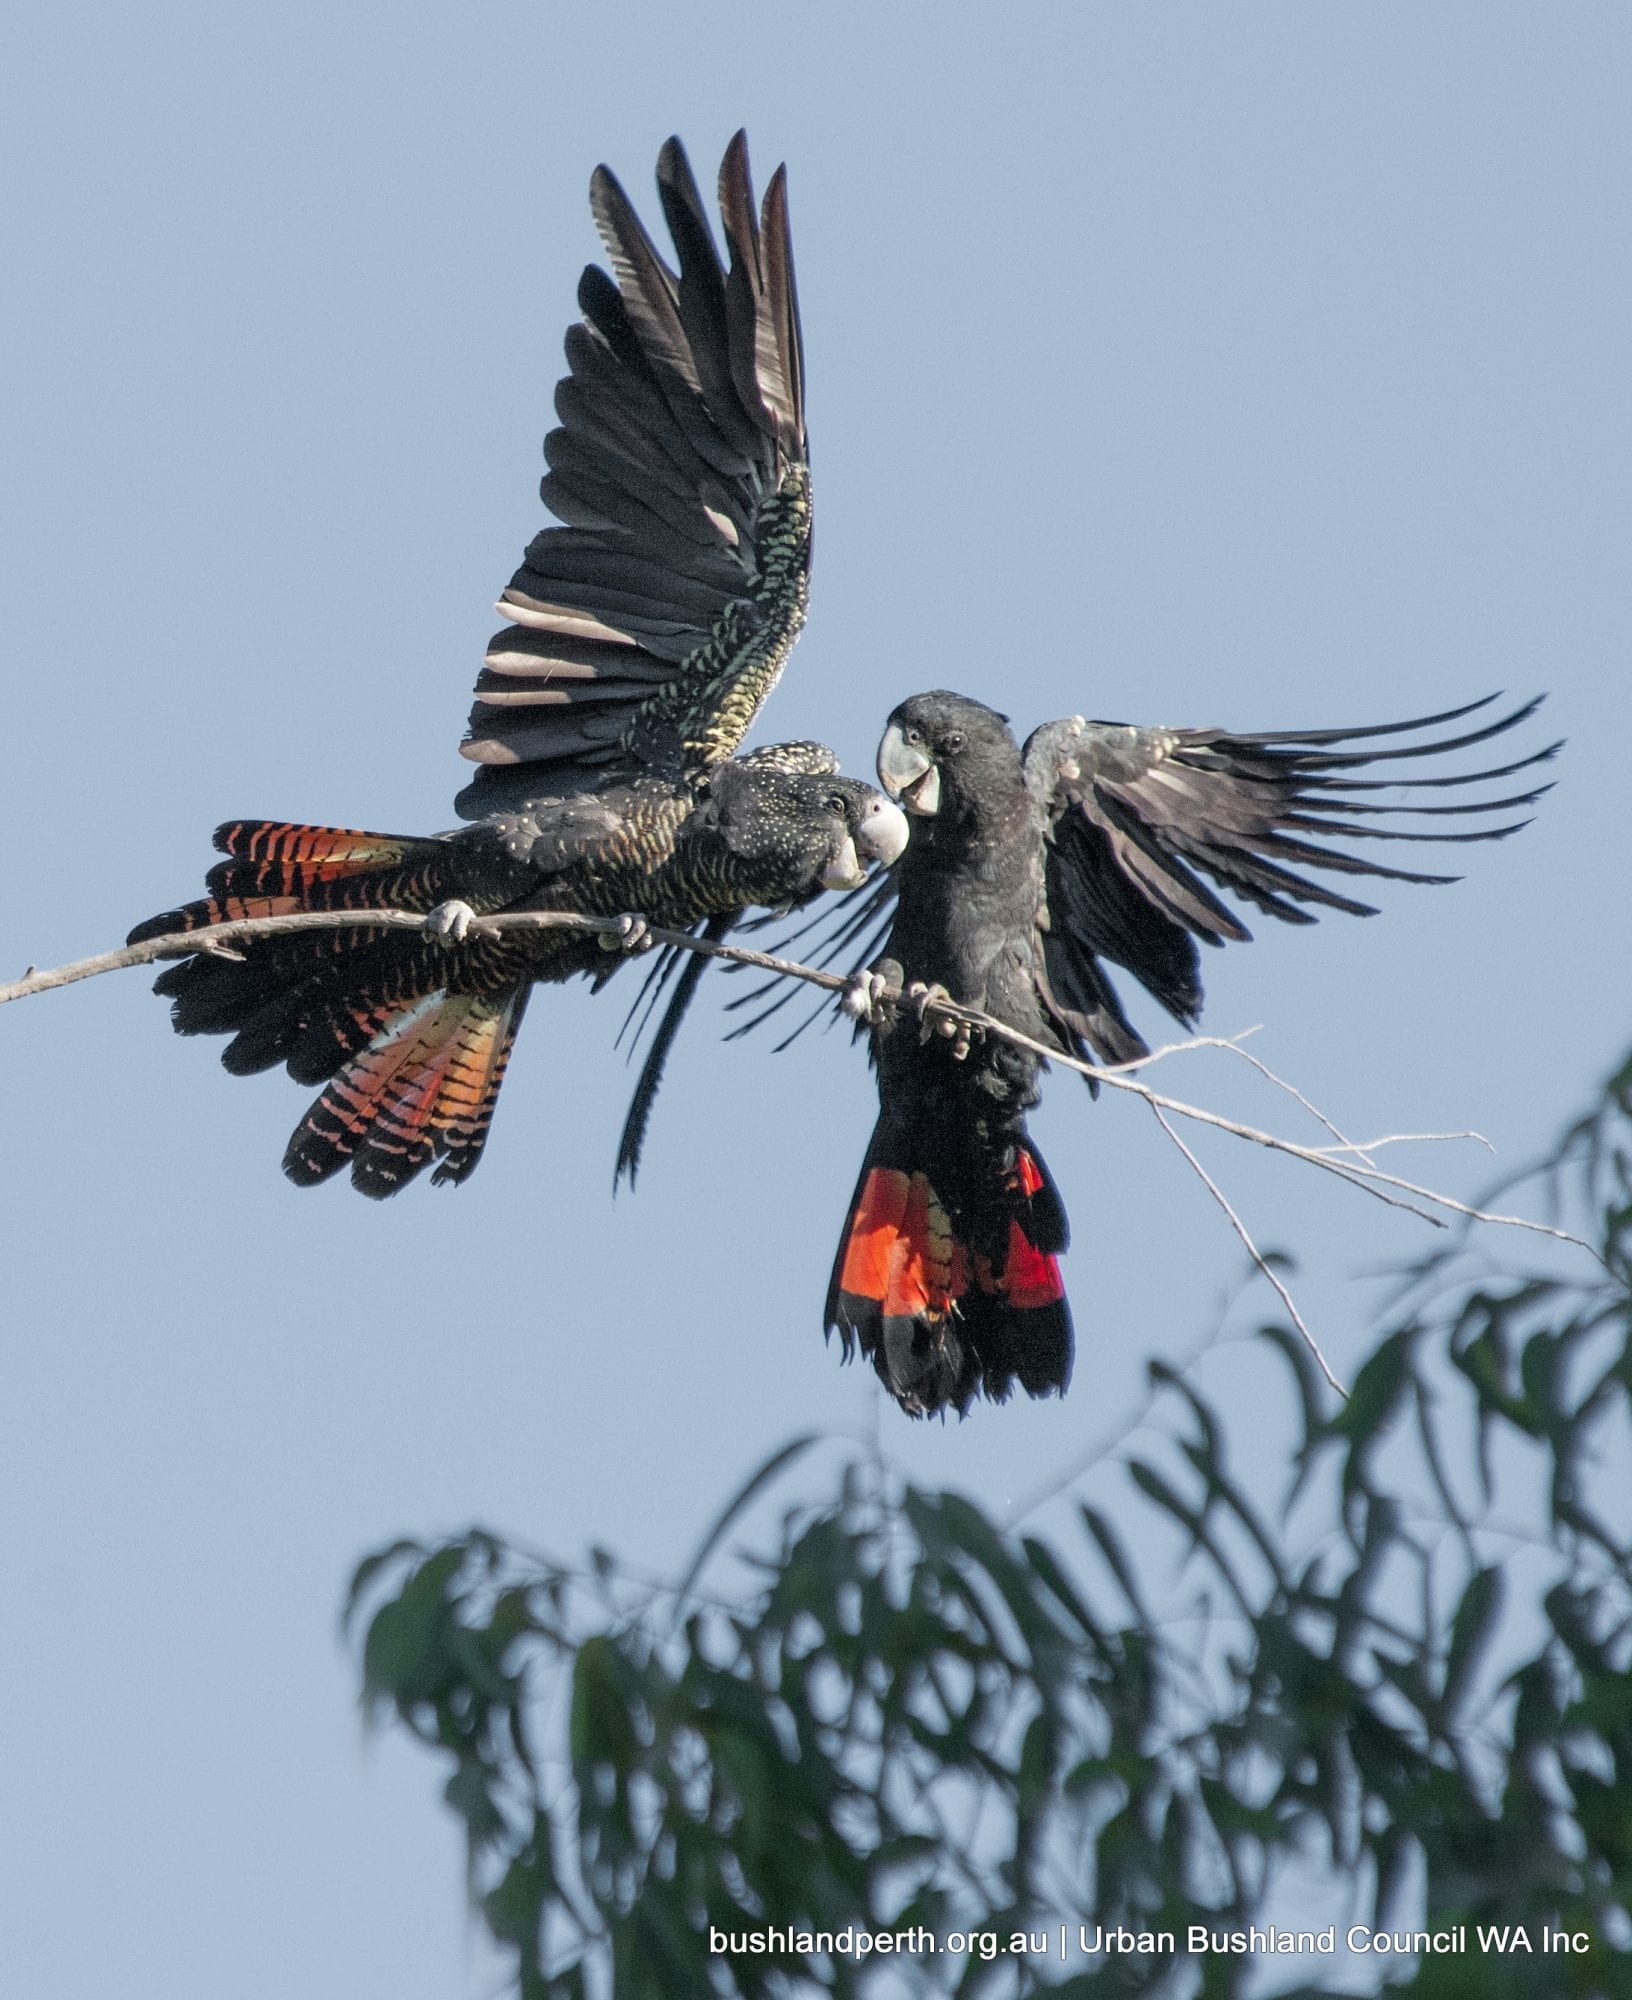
(1018, 1319)
(313, 853)
(228, 909)
(474, 1089)
(899, 1250)
(426, 1085)
(277, 868)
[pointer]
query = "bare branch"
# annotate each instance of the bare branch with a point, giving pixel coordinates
(212, 937)
(1358, 1172)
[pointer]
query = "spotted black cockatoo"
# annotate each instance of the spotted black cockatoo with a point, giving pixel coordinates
(1025, 872)
(646, 632)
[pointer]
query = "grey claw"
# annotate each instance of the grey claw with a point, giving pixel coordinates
(961, 1034)
(449, 923)
(918, 998)
(632, 934)
(863, 998)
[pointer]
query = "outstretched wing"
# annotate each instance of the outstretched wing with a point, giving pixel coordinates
(1134, 813)
(1138, 816)
(647, 630)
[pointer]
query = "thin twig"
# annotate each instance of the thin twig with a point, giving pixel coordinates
(1342, 1144)
(1409, 1139)
(1253, 1252)
(1096, 1453)
(1372, 1180)
(1232, 1043)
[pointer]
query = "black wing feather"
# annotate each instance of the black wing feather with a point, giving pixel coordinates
(633, 1137)
(1137, 816)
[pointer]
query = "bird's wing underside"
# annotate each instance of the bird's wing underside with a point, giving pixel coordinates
(650, 626)
(1138, 816)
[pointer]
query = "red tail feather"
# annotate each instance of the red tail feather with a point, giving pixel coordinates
(1030, 1278)
(938, 1315)
(899, 1248)
(276, 868)
(311, 853)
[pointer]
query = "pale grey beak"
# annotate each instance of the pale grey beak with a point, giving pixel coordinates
(881, 834)
(907, 774)
(843, 870)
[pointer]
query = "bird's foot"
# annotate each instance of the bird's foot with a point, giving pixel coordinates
(961, 1034)
(863, 999)
(633, 934)
(449, 923)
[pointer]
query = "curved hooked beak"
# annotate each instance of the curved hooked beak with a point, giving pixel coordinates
(907, 774)
(880, 835)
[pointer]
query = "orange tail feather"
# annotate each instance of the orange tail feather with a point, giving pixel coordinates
(425, 1086)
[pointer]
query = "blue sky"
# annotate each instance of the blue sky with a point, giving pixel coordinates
(1262, 366)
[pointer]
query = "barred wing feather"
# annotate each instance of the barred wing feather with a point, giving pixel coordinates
(647, 629)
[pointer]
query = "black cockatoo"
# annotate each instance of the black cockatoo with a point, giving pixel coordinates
(1024, 873)
(646, 632)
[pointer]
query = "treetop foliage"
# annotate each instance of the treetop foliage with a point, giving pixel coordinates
(1396, 1692)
